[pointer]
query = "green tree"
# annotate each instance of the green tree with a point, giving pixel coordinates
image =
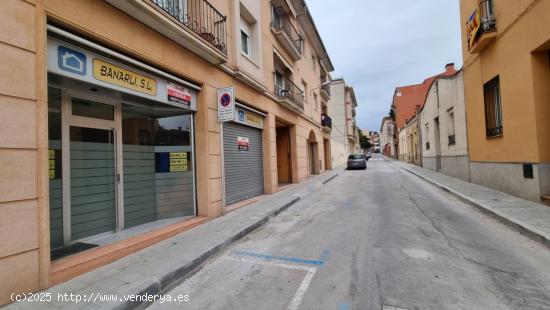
(364, 141)
(392, 114)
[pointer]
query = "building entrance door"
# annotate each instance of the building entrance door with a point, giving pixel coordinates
(93, 181)
(90, 167)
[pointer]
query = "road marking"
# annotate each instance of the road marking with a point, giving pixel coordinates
(418, 253)
(388, 307)
(324, 255)
(301, 292)
(304, 285)
(280, 258)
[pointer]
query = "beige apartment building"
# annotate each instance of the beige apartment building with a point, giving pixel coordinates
(109, 123)
(341, 108)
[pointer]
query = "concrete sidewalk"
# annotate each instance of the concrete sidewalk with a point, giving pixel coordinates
(528, 217)
(160, 267)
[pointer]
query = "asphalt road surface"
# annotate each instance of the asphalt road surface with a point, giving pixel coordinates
(379, 238)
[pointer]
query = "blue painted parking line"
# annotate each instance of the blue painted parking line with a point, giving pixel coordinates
(343, 307)
(280, 258)
(324, 255)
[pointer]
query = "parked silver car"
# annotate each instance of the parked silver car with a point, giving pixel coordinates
(357, 161)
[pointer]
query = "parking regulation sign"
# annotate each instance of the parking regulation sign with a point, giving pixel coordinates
(226, 104)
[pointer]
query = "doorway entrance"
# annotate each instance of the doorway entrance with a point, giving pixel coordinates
(90, 169)
(328, 161)
(313, 161)
(284, 162)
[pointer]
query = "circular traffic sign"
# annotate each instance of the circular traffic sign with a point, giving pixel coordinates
(225, 100)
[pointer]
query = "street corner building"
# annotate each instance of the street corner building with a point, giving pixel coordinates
(111, 132)
(506, 82)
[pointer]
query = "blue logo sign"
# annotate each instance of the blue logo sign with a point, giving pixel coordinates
(71, 61)
(241, 116)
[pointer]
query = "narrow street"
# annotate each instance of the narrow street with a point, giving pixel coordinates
(379, 238)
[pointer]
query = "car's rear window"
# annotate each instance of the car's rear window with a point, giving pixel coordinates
(355, 157)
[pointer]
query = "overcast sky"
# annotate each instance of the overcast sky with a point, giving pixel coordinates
(378, 45)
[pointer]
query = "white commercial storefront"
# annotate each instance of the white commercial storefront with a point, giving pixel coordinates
(243, 155)
(121, 144)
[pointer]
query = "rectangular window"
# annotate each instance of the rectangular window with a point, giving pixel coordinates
(245, 43)
(493, 108)
(86, 108)
(451, 128)
(157, 158)
(427, 137)
(279, 80)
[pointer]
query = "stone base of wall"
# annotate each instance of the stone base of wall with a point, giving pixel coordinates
(456, 166)
(508, 178)
(544, 173)
(429, 163)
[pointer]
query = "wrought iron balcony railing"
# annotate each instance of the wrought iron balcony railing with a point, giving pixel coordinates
(281, 22)
(200, 17)
(288, 90)
(325, 91)
(326, 121)
(488, 21)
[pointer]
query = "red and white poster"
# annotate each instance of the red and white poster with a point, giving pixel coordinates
(178, 95)
(243, 143)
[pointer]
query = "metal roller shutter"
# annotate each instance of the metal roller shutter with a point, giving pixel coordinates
(244, 176)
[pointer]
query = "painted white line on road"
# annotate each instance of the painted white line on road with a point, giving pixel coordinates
(302, 289)
(301, 292)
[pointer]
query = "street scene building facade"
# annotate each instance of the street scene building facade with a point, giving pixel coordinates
(506, 78)
(463, 115)
(407, 102)
(341, 108)
(443, 127)
(387, 137)
(112, 124)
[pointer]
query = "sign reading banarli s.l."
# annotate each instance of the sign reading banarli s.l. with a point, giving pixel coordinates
(116, 75)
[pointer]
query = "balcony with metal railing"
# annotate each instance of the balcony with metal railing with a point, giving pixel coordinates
(289, 94)
(286, 33)
(326, 122)
(200, 17)
(325, 91)
(481, 27)
(195, 24)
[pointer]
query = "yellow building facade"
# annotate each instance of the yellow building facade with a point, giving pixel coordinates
(125, 94)
(507, 93)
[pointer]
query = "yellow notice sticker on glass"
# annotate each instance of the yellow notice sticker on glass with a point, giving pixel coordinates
(119, 76)
(51, 164)
(178, 168)
(178, 155)
(178, 161)
(51, 154)
(52, 174)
